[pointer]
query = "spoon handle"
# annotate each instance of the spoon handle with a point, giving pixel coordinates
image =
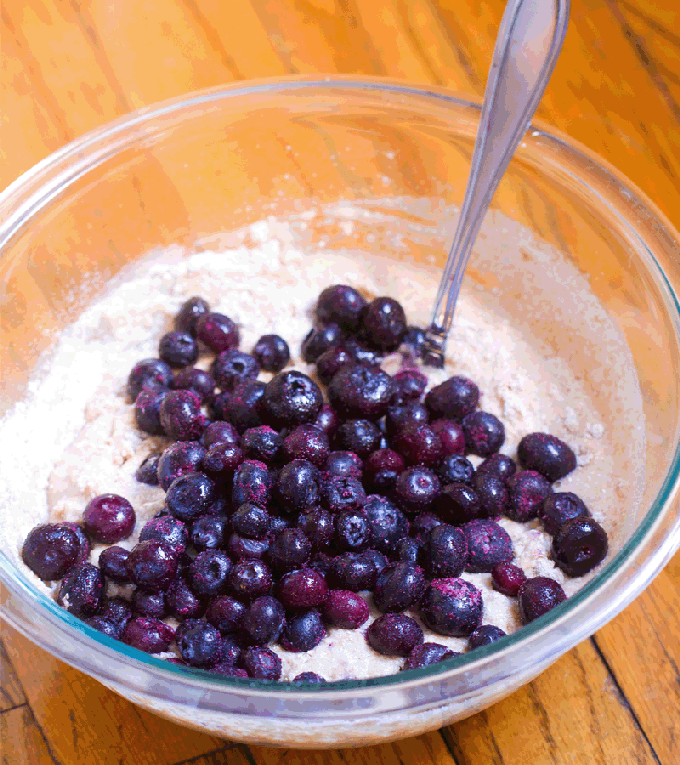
(527, 46)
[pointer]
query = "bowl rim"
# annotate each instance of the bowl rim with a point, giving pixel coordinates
(34, 190)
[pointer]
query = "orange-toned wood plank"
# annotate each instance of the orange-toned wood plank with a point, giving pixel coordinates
(22, 741)
(11, 692)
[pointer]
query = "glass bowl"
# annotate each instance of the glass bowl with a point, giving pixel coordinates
(191, 170)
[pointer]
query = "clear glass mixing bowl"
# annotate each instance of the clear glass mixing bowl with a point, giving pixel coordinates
(188, 171)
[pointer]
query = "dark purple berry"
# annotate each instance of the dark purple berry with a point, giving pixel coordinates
(250, 521)
(319, 340)
(317, 525)
(167, 529)
(559, 508)
(527, 492)
(342, 305)
(384, 323)
(352, 530)
(221, 460)
(190, 495)
(51, 550)
(386, 522)
(342, 494)
(308, 677)
(197, 381)
(328, 420)
(403, 414)
(547, 455)
(360, 392)
(232, 367)
(178, 349)
(297, 486)
(321, 562)
(148, 634)
(251, 484)
(427, 654)
(398, 587)
(149, 604)
(105, 626)
(82, 590)
(303, 631)
(303, 588)
(394, 635)
(83, 541)
(117, 611)
(409, 384)
(262, 443)
(290, 550)
(263, 621)
(455, 469)
(306, 442)
(417, 488)
(415, 340)
(209, 532)
(407, 549)
(179, 459)
(488, 544)
(537, 596)
(452, 436)
(508, 578)
(423, 524)
(451, 606)
(272, 353)
(217, 331)
(112, 562)
(181, 416)
(383, 467)
(331, 361)
(152, 565)
(225, 613)
(209, 573)
(484, 433)
(250, 578)
(182, 602)
(358, 436)
(241, 406)
(579, 546)
(240, 547)
(277, 524)
(419, 445)
(148, 411)
(148, 374)
(445, 551)
(453, 399)
(199, 643)
(345, 609)
(109, 518)
(290, 399)
(498, 465)
(343, 464)
(352, 571)
(484, 635)
(361, 353)
(492, 494)
(190, 312)
(220, 432)
(261, 663)
(147, 472)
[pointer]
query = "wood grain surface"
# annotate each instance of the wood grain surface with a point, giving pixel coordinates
(69, 66)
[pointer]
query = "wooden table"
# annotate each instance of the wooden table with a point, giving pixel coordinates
(69, 66)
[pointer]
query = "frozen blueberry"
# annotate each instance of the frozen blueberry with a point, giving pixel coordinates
(240, 547)
(539, 595)
(250, 578)
(451, 435)
(321, 562)
(105, 626)
(319, 340)
(290, 399)
(331, 361)
(383, 467)
(232, 367)
(108, 518)
(308, 677)
(317, 525)
(547, 455)
(342, 305)
(360, 391)
(455, 469)
(559, 508)
(352, 530)
(484, 635)
(262, 443)
(148, 634)
(209, 573)
(492, 493)
(527, 492)
(251, 484)
(197, 381)
(261, 663)
(484, 433)
(498, 465)
(167, 529)
(263, 621)
(272, 353)
(406, 413)
(152, 565)
(386, 521)
(343, 464)
(83, 541)
(220, 433)
(302, 588)
(426, 654)
(297, 486)
(199, 643)
(579, 546)
(178, 349)
(328, 420)
(190, 312)
(250, 521)
(458, 503)
(217, 331)
(423, 524)
(407, 549)
(221, 460)
(82, 590)
(148, 411)
(302, 631)
(182, 602)
(394, 635)
(409, 384)
(360, 437)
(209, 532)
(488, 544)
(148, 374)
(307, 442)
(361, 352)
(398, 587)
(241, 407)
(225, 613)
(451, 606)
(181, 416)
(50, 550)
(290, 550)
(352, 571)
(419, 445)
(149, 604)
(112, 562)
(453, 399)
(384, 323)
(417, 488)
(345, 609)
(507, 578)
(147, 472)
(445, 551)
(117, 611)
(342, 494)
(179, 459)
(190, 495)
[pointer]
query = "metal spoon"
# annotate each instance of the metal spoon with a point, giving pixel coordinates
(528, 43)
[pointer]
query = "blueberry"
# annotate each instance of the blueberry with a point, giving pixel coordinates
(181, 416)
(209, 532)
(484, 433)
(492, 494)
(217, 331)
(317, 525)
(262, 443)
(527, 491)
(297, 486)
(360, 437)
(398, 587)
(51, 550)
(199, 643)
(105, 626)
(342, 494)
(250, 578)
(290, 399)
(148, 411)
(225, 613)
(352, 571)
(331, 361)
(108, 518)
(307, 442)
(361, 352)
(417, 488)
(488, 544)
(407, 549)
(182, 602)
(445, 551)
(117, 611)
(352, 530)
(342, 305)
(455, 469)
(386, 522)
(197, 381)
(451, 435)
(319, 340)
(152, 565)
(149, 604)
(220, 433)
(508, 578)
(458, 503)
(82, 590)
(302, 588)
(419, 445)
(384, 323)
(303, 631)
(394, 635)
(308, 677)
(360, 392)
(415, 340)
(499, 466)
(190, 495)
(406, 413)
(250, 521)
(179, 459)
(537, 596)
(328, 420)
(251, 484)
(272, 353)
(190, 312)
(383, 467)
(409, 384)
(261, 663)
(112, 562)
(426, 654)
(451, 606)
(84, 546)
(221, 460)
(423, 524)
(148, 374)
(559, 508)
(484, 635)
(240, 547)
(547, 455)
(343, 464)
(209, 573)
(290, 550)
(453, 399)
(178, 349)
(579, 546)
(241, 407)
(147, 472)
(232, 367)
(148, 634)
(263, 621)
(345, 609)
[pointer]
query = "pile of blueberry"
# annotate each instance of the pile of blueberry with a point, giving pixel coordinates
(280, 509)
